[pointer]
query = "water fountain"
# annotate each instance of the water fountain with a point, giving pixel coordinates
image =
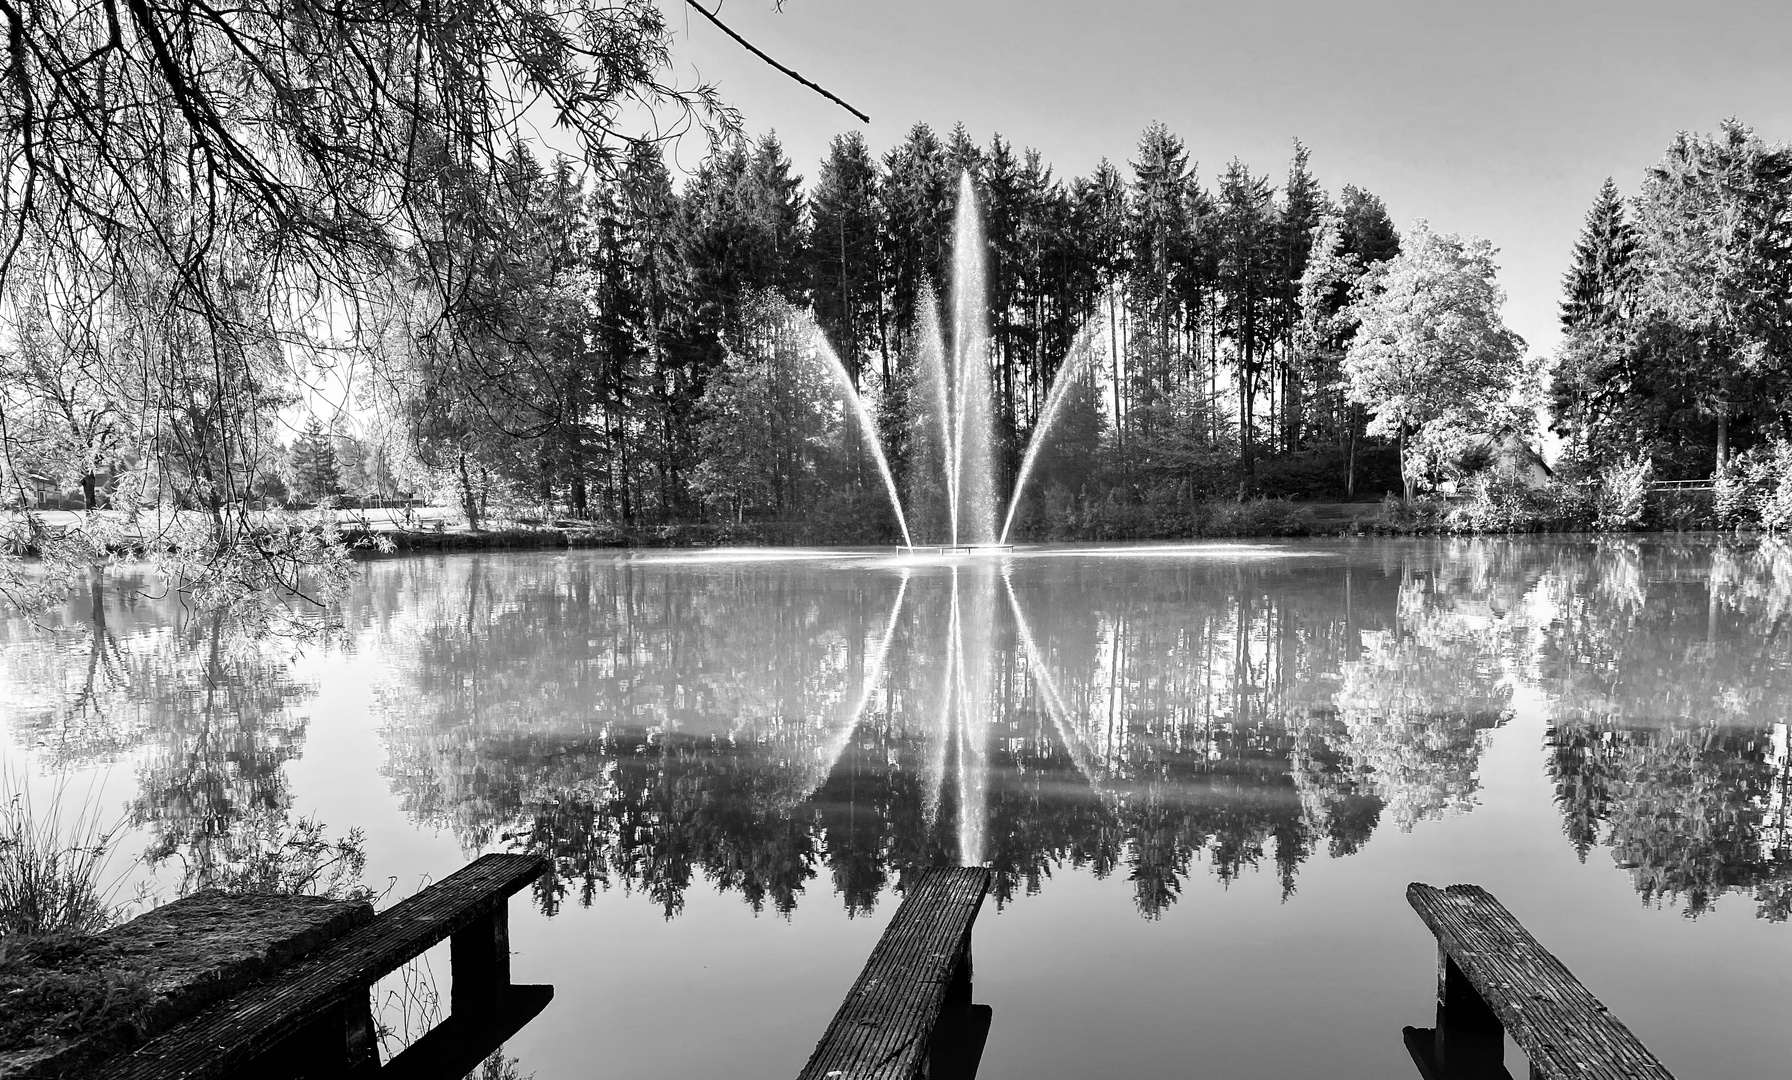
(954, 385)
(955, 449)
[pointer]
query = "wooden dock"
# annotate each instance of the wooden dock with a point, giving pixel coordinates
(909, 1014)
(1493, 978)
(313, 1019)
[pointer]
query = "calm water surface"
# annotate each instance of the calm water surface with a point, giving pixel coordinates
(1203, 775)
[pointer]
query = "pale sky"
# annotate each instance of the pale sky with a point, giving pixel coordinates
(1498, 119)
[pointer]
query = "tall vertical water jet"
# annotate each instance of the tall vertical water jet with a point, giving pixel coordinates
(953, 403)
(933, 410)
(973, 464)
(867, 429)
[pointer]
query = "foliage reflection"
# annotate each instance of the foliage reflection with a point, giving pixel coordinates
(774, 727)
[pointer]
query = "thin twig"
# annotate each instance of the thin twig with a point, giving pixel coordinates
(755, 50)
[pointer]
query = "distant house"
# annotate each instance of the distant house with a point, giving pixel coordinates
(1513, 453)
(43, 491)
(1508, 452)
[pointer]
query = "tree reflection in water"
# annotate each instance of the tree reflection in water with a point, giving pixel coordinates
(762, 726)
(1670, 740)
(207, 716)
(756, 724)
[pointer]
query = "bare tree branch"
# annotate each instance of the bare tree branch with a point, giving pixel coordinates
(756, 51)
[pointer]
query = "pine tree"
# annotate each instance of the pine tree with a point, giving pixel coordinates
(1302, 204)
(962, 156)
(1369, 232)
(916, 196)
(771, 199)
(844, 266)
(1248, 280)
(1162, 189)
(1592, 382)
(314, 463)
(1099, 211)
(1600, 287)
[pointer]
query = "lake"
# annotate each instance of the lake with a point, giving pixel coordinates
(1202, 774)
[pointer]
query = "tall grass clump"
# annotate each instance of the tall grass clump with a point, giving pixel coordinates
(53, 865)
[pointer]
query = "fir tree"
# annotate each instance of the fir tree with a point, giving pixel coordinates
(844, 265)
(1593, 384)
(1369, 232)
(1600, 286)
(314, 463)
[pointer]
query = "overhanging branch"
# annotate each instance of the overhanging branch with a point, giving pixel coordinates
(756, 51)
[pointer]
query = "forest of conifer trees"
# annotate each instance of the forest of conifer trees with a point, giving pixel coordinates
(652, 369)
(634, 347)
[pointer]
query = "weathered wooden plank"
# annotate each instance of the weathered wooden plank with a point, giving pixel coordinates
(884, 1027)
(1566, 1032)
(231, 1033)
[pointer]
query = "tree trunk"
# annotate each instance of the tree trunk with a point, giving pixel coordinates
(1723, 440)
(1405, 472)
(1114, 360)
(468, 503)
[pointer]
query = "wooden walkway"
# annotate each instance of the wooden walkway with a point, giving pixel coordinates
(1493, 978)
(313, 1018)
(910, 1012)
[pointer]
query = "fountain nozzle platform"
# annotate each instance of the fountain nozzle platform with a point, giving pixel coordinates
(957, 549)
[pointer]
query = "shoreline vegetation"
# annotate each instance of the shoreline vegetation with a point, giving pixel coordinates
(1497, 503)
(734, 357)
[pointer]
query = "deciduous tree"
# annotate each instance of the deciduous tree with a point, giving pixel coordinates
(1432, 355)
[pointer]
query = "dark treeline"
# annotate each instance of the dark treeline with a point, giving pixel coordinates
(646, 352)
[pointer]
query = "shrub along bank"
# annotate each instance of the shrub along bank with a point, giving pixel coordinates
(1618, 498)
(1754, 491)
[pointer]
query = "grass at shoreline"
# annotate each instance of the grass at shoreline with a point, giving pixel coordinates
(1490, 511)
(1219, 519)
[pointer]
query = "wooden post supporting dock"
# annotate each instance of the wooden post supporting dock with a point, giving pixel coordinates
(1493, 977)
(909, 1015)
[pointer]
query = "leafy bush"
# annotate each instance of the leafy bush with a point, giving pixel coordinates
(1425, 514)
(1772, 480)
(1504, 499)
(1622, 493)
(1679, 511)
(1755, 489)
(1501, 500)
(1256, 517)
(1731, 497)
